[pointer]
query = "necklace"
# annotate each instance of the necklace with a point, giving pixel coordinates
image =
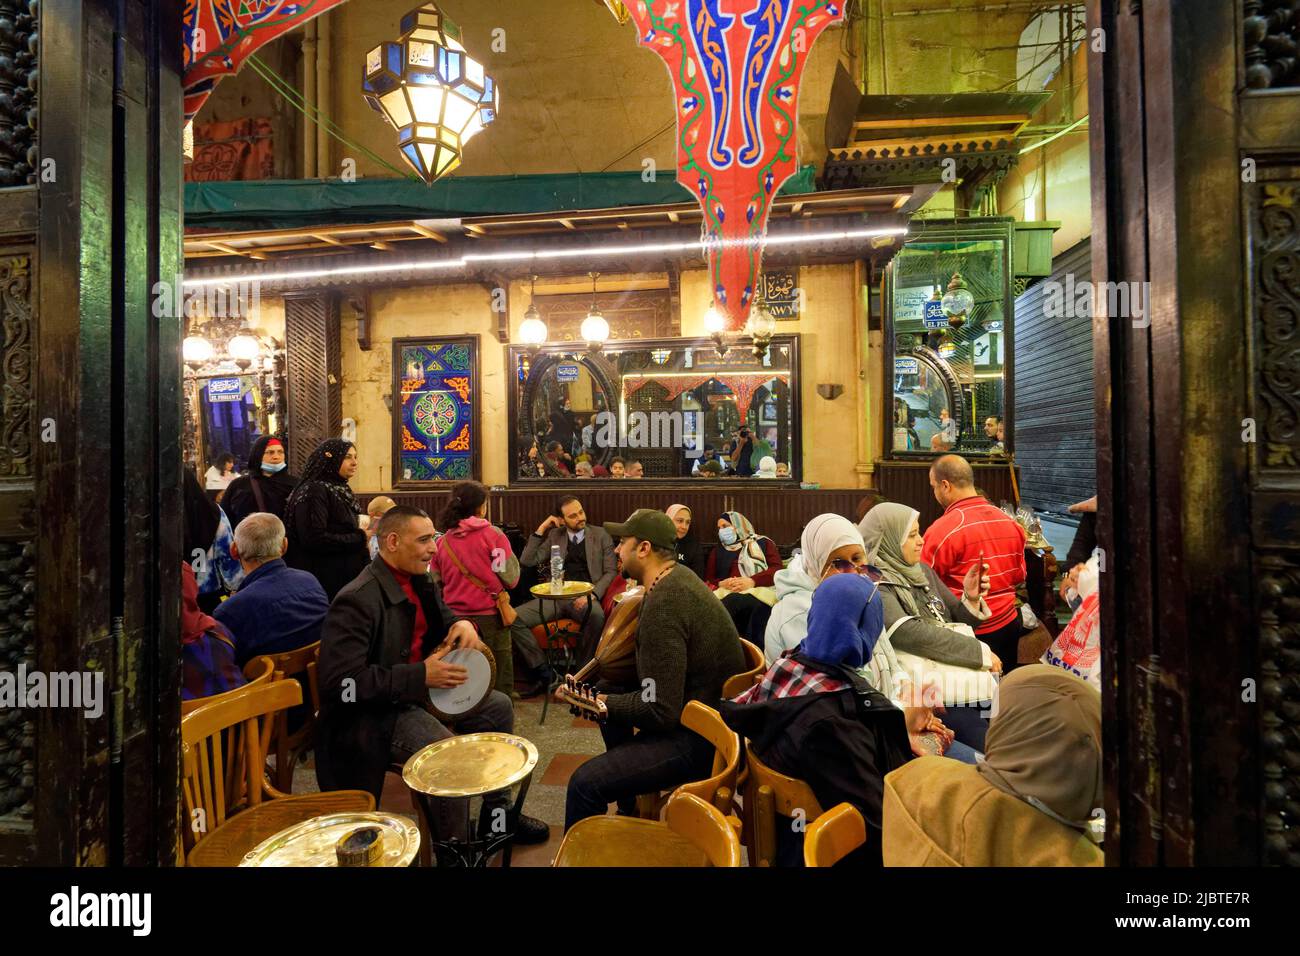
(659, 577)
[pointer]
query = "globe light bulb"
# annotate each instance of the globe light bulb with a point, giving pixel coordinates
(196, 349)
(532, 331)
(714, 322)
(243, 348)
(594, 327)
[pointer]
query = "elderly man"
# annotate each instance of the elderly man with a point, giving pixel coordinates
(971, 529)
(383, 647)
(588, 555)
(277, 608)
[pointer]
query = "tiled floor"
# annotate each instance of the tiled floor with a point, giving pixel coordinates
(563, 744)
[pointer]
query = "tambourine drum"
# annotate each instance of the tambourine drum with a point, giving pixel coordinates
(313, 842)
(453, 703)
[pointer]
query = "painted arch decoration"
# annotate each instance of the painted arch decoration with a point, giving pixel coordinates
(221, 34)
(736, 67)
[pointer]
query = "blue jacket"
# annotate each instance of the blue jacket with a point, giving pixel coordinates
(276, 609)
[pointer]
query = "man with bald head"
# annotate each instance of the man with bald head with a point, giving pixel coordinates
(277, 608)
(970, 530)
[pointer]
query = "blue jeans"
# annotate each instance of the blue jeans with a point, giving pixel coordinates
(969, 722)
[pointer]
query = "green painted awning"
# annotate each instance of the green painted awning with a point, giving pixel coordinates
(288, 203)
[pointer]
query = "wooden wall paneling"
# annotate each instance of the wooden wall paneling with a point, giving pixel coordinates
(315, 373)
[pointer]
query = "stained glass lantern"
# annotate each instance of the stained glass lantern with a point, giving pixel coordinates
(958, 302)
(431, 91)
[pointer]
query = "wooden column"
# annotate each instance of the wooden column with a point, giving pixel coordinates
(89, 453)
(315, 379)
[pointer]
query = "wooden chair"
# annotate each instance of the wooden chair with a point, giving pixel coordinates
(288, 747)
(693, 833)
(223, 754)
(719, 788)
(261, 674)
(756, 667)
(834, 835)
(768, 794)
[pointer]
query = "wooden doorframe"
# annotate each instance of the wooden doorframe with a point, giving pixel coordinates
(1187, 686)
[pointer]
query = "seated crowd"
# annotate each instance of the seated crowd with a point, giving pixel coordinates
(884, 646)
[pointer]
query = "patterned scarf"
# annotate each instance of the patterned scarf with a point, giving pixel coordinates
(751, 560)
(788, 677)
(323, 469)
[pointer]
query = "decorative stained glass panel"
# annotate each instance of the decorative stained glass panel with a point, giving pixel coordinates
(436, 384)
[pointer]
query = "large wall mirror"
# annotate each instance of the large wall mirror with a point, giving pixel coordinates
(950, 339)
(655, 408)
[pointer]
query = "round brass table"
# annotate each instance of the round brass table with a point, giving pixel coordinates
(462, 767)
(312, 842)
(228, 843)
(559, 655)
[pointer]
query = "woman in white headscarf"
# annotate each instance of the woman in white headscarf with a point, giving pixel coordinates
(829, 544)
(740, 570)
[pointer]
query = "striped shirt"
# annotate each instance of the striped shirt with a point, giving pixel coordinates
(967, 529)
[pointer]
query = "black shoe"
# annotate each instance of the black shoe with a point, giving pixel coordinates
(530, 830)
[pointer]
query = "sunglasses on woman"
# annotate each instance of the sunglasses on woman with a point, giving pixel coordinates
(845, 566)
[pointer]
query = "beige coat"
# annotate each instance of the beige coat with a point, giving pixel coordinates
(939, 812)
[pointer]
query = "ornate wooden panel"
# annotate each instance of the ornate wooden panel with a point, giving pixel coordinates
(19, 42)
(644, 314)
(16, 365)
(17, 650)
(1270, 35)
(315, 386)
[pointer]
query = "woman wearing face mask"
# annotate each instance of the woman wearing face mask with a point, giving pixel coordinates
(267, 485)
(744, 561)
(918, 606)
(1032, 800)
(830, 544)
(323, 522)
(689, 552)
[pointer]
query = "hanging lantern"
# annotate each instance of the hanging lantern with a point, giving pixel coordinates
(595, 330)
(196, 351)
(431, 91)
(958, 302)
(244, 349)
(532, 330)
(762, 326)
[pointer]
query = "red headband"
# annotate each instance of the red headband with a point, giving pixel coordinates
(274, 442)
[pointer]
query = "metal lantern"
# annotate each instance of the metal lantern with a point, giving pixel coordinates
(431, 91)
(617, 8)
(532, 330)
(762, 326)
(958, 302)
(595, 329)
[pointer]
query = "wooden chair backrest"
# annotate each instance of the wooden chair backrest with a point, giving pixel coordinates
(705, 826)
(719, 788)
(771, 794)
(223, 752)
(755, 667)
(260, 674)
(834, 835)
(304, 660)
(301, 665)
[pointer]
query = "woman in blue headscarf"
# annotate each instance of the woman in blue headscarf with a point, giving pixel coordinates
(813, 716)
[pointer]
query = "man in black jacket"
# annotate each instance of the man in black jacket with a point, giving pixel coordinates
(376, 668)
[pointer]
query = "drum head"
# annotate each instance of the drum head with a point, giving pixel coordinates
(452, 703)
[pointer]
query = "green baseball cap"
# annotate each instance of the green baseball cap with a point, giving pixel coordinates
(646, 524)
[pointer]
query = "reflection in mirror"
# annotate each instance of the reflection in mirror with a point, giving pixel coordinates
(669, 405)
(949, 348)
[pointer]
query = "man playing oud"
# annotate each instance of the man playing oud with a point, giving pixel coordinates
(687, 647)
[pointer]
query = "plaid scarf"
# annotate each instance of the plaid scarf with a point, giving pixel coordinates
(788, 677)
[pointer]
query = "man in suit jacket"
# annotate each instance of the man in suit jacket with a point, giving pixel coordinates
(588, 556)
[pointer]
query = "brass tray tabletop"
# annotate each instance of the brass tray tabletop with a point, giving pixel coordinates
(470, 765)
(311, 843)
(572, 589)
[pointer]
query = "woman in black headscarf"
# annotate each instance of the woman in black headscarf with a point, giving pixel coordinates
(320, 518)
(267, 485)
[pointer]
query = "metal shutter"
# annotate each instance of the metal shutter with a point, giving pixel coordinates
(1055, 439)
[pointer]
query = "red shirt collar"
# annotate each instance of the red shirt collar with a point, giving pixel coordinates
(973, 500)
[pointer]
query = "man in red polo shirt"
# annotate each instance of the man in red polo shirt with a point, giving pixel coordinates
(969, 528)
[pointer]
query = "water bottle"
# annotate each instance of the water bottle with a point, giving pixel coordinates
(557, 570)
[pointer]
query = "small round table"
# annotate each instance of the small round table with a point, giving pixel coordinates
(560, 657)
(465, 766)
(228, 843)
(312, 842)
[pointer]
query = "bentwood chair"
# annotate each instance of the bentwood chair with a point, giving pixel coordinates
(719, 788)
(223, 753)
(300, 665)
(834, 835)
(261, 674)
(768, 794)
(755, 667)
(694, 833)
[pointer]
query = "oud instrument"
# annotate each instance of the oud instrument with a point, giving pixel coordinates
(614, 660)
